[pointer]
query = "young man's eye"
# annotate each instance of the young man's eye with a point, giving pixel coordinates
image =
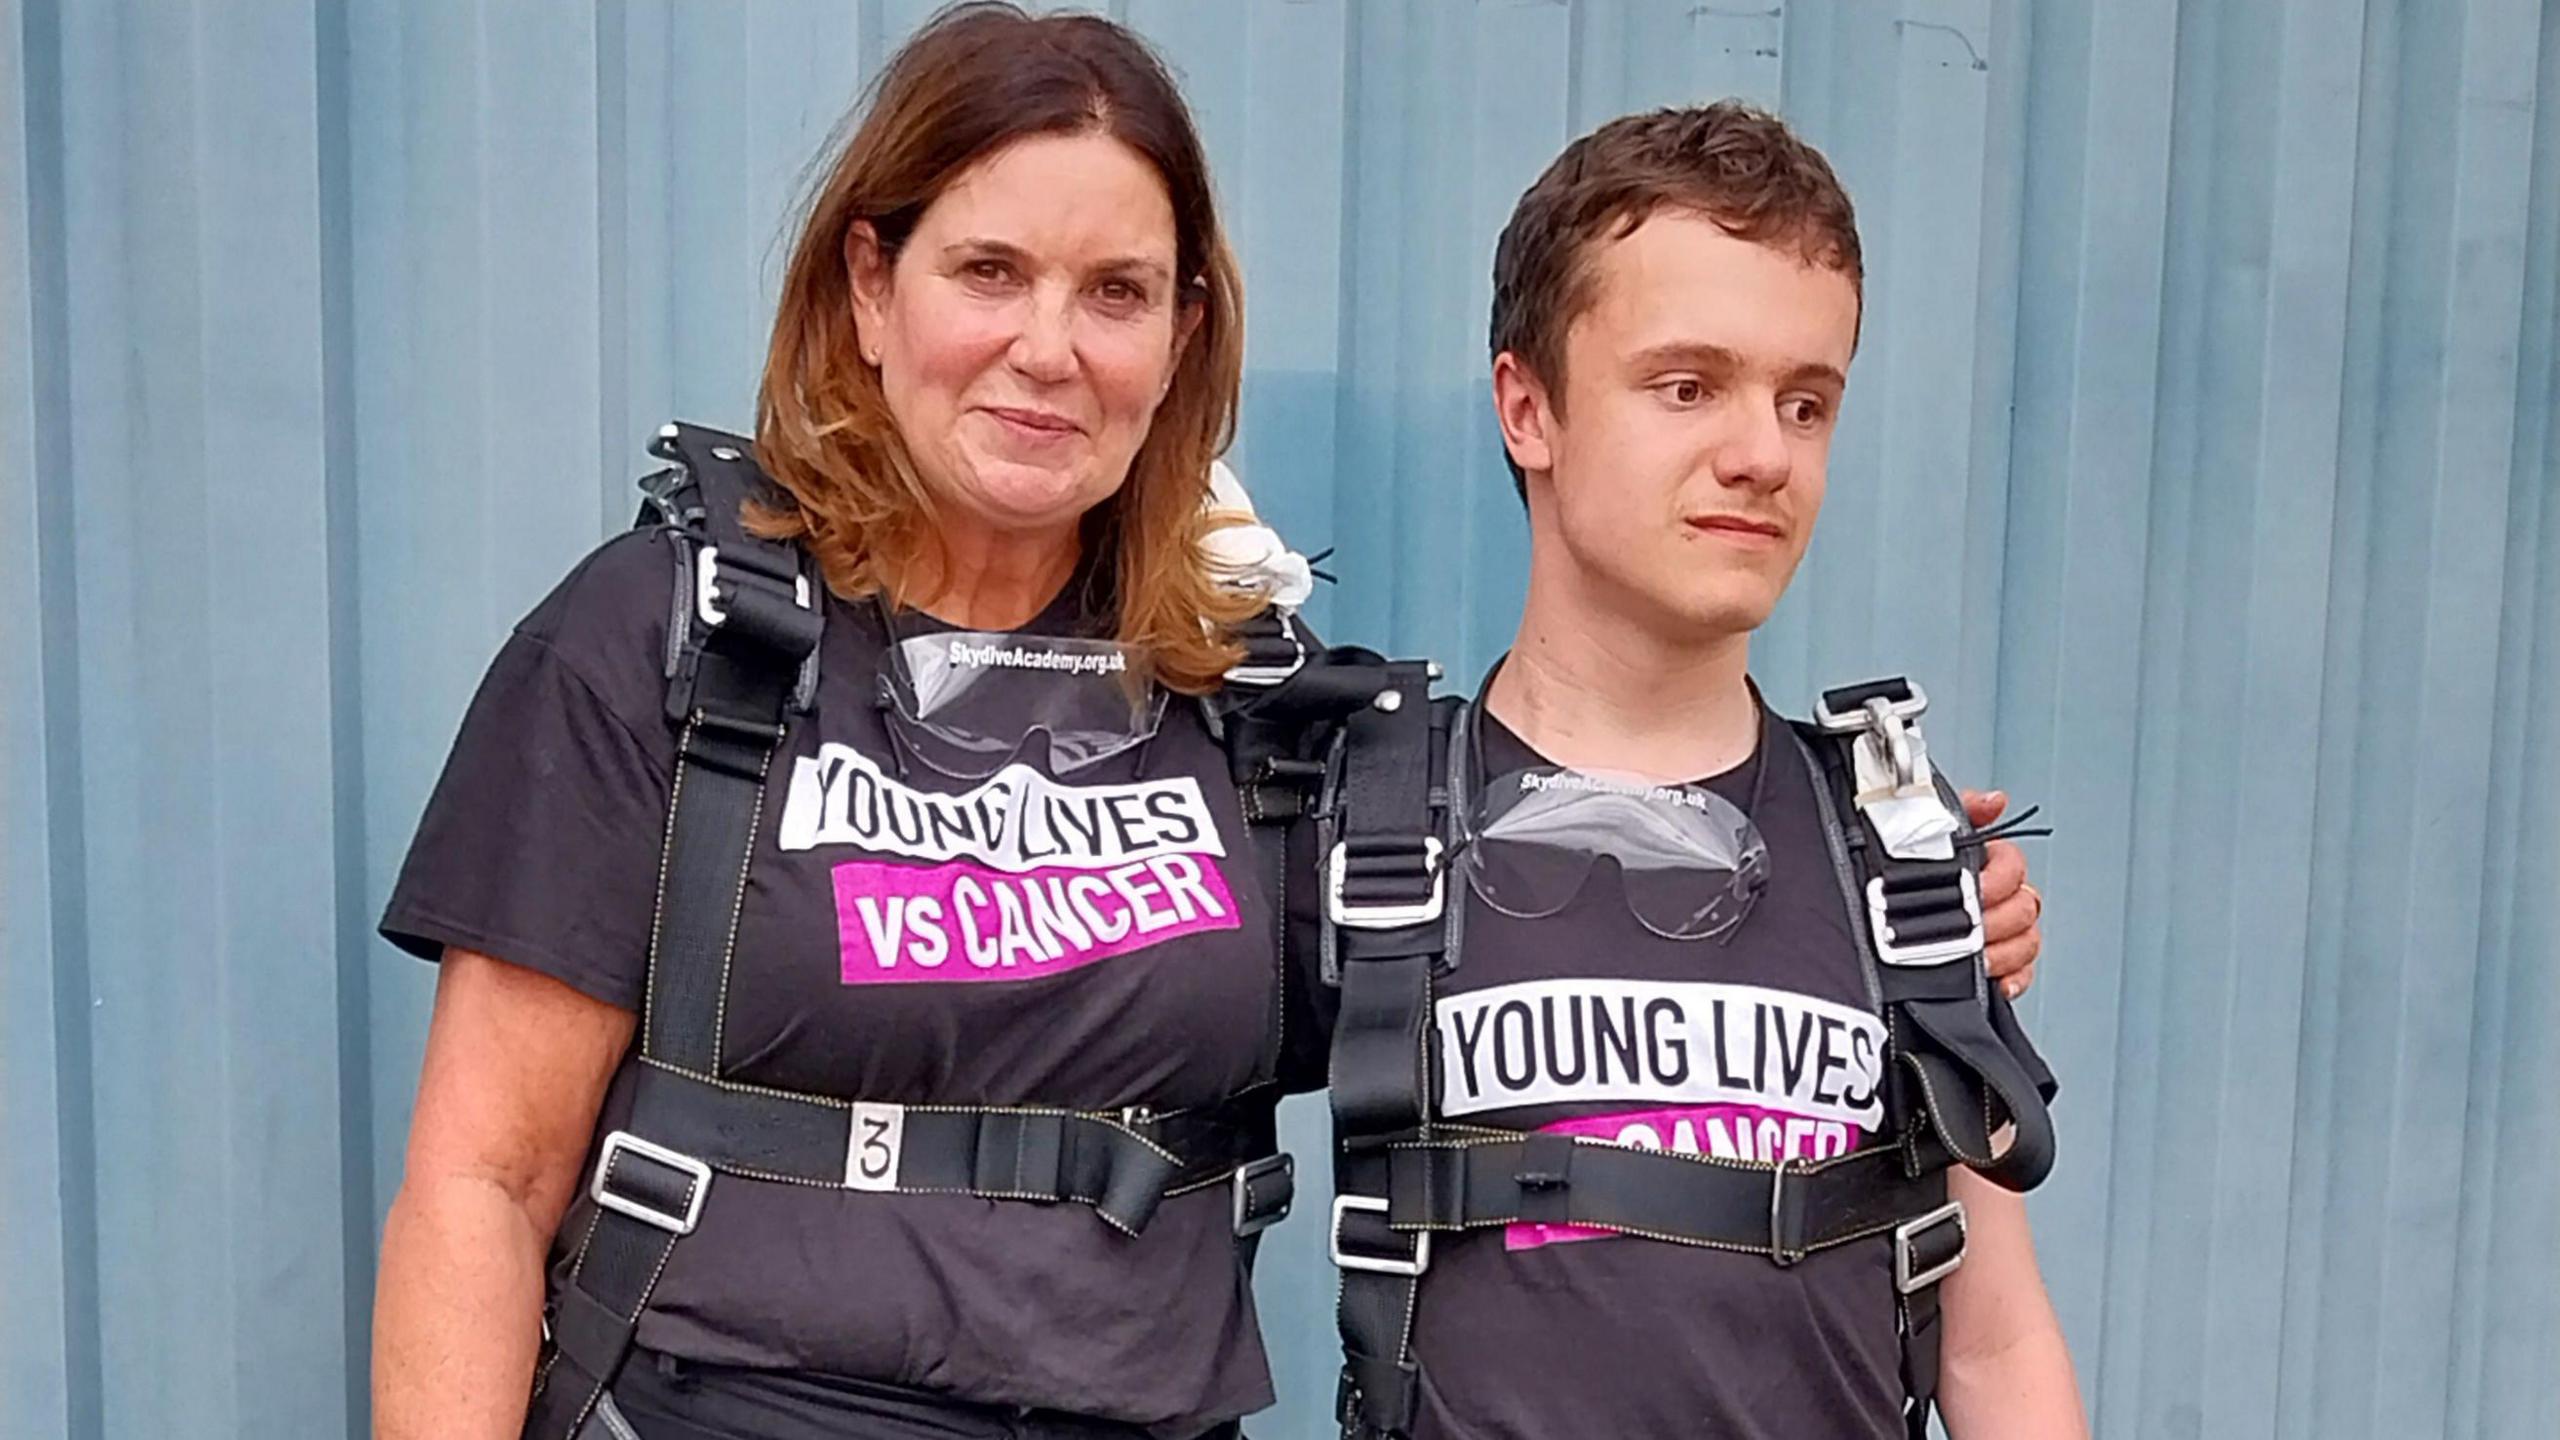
(1805, 410)
(1683, 392)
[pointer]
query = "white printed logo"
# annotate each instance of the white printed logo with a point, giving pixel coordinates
(965, 656)
(1545, 1042)
(1017, 820)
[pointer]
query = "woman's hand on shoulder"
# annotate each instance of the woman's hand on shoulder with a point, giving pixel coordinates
(2012, 909)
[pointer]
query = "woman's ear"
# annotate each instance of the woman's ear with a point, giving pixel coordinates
(867, 264)
(1186, 327)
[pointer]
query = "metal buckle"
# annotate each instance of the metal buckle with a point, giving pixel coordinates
(1780, 1252)
(706, 595)
(1892, 952)
(1373, 1264)
(621, 1140)
(1240, 1184)
(1904, 1280)
(1337, 868)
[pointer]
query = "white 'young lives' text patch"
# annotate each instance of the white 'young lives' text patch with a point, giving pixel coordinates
(1017, 820)
(1546, 1042)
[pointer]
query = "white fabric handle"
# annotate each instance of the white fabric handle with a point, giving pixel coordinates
(1252, 556)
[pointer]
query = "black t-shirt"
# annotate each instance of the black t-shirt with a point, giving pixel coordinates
(1769, 1044)
(1114, 947)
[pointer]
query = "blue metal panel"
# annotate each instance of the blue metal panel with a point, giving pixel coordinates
(2201, 456)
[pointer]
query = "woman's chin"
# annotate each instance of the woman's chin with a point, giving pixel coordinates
(1017, 496)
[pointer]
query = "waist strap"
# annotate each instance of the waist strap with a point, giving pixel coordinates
(1479, 1179)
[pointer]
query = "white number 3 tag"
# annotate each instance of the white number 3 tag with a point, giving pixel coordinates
(872, 1153)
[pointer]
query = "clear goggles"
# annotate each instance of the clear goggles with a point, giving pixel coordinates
(967, 703)
(1689, 863)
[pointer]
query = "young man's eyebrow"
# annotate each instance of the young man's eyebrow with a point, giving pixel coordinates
(1695, 354)
(1699, 355)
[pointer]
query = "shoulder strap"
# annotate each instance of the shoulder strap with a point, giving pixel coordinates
(1384, 830)
(741, 632)
(1958, 1064)
(751, 631)
(1918, 904)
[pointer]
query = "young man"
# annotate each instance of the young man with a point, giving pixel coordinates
(1676, 305)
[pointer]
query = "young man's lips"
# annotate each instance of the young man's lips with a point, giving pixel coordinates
(1736, 528)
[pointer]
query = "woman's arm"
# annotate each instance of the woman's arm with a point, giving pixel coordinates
(516, 1069)
(2004, 1372)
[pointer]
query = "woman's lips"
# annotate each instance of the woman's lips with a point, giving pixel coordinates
(1034, 426)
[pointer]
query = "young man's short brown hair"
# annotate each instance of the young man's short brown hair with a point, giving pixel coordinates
(1738, 165)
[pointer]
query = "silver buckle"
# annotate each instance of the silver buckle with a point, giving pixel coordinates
(1337, 868)
(1879, 722)
(1904, 1279)
(621, 1140)
(1780, 1253)
(706, 595)
(1240, 1184)
(1892, 952)
(1372, 1264)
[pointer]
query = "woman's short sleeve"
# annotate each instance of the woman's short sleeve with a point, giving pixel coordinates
(540, 844)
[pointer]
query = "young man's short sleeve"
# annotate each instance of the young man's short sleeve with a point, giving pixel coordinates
(540, 845)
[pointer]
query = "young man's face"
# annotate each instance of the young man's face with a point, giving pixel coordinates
(1701, 389)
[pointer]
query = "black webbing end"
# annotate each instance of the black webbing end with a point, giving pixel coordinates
(1377, 1399)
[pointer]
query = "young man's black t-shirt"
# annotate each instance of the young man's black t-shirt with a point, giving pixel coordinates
(1765, 1045)
(1104, 940)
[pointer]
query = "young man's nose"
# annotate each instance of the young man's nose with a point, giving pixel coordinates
(1752, 452)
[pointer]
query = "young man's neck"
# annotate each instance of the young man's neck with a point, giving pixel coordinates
(1588, 690)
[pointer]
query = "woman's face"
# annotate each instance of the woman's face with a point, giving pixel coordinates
(1029, 328)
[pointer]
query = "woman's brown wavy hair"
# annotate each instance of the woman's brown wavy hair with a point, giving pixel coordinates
(977, 78)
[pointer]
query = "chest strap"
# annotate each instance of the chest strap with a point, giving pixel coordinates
(1783, 1212)
(1121, 1163)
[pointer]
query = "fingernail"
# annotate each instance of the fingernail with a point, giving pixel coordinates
(2012, 989)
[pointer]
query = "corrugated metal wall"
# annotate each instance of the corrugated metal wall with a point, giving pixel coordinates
(2201, 457)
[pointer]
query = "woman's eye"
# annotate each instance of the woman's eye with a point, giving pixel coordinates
(1124, 294)
(988, 272)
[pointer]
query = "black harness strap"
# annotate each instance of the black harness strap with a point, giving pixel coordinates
(731, 690)
(1960, 1067)
(1386, 895)
(1494, 1178)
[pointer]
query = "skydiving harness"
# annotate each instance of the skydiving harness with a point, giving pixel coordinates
(1958, 1067)
(741, 660)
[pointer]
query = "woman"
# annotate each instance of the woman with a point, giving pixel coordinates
(1008, 349)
